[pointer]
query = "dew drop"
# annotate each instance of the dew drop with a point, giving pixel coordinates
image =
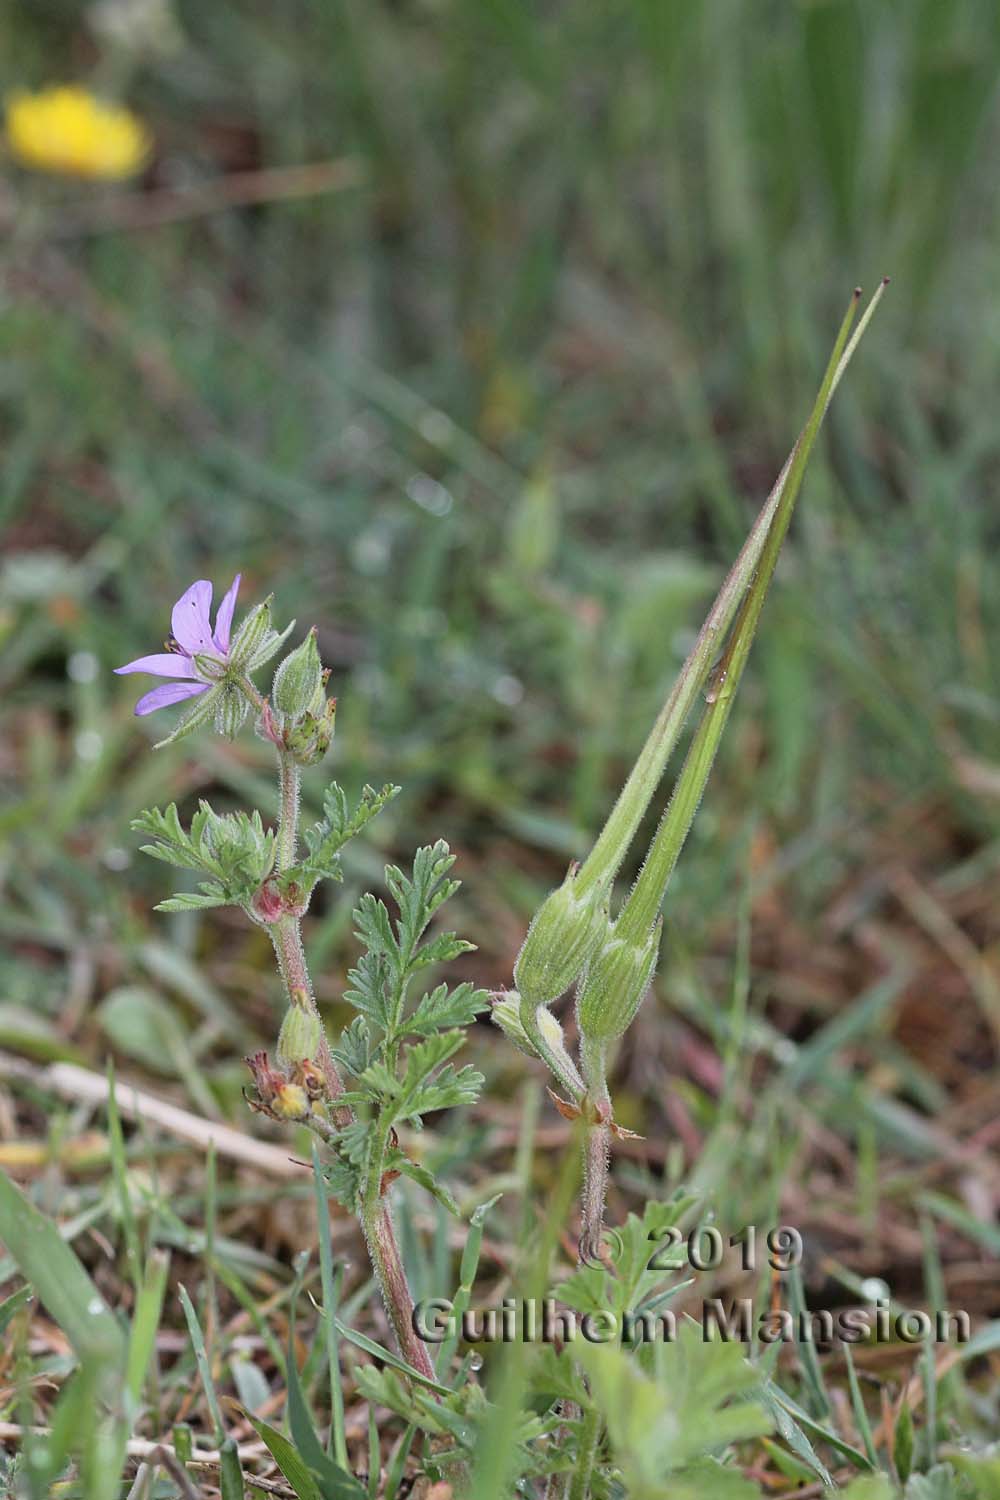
(436, 427)
(82, 666)
(88, 744)
(508, 690)
(429, 494)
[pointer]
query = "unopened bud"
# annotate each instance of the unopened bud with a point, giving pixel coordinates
(298, 682)
(614, 986)
(299, 1037)
(564, 933)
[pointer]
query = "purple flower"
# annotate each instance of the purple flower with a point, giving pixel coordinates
(192, 650)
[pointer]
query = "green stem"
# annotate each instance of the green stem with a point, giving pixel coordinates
(560, 1067)
(586, 1457)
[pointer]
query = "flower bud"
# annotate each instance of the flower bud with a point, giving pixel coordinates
(564, 932)
(615, 984)
(298, 682)
(299, 1037)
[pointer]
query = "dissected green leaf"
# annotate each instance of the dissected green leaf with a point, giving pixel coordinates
(980, 1473)
(443, 1008)
(873, 1487)
(697, 1401)
(354, 1050)
(939, 1483)
(233, 849)
(325, 839)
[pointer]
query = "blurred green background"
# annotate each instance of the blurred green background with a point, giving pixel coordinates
(495, 415)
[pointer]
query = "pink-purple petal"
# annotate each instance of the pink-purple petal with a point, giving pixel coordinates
(163, 664)
(167, 693)
(224, 618)
(189, 619)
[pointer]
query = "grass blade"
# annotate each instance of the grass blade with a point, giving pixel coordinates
(60, 1280)
(467, 1276)
(119, 1174)
(336, 1483)
(806, 1348)
(204, 1367)
(289, 1462)
(861, 1421)
(386, 1357)
(330, 1282)
(145, 1322)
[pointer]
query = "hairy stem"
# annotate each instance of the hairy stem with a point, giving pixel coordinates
(586, 1457)
(380, 1236)
(376, 1219)
(288, 811)
(596, 1149)
(596, 1156)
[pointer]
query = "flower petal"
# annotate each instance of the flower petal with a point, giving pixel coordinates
(163, 664)
(189, 619)
(224, 617)
(167, 693)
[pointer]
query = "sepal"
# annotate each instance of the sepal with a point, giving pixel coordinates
(298, 681)
(615, 984)
(564, 933)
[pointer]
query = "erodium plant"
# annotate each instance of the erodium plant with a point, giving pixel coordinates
(393, 1063)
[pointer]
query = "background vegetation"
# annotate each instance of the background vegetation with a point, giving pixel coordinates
(492, 402)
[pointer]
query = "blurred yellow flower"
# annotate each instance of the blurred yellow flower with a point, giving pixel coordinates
(69, 130)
